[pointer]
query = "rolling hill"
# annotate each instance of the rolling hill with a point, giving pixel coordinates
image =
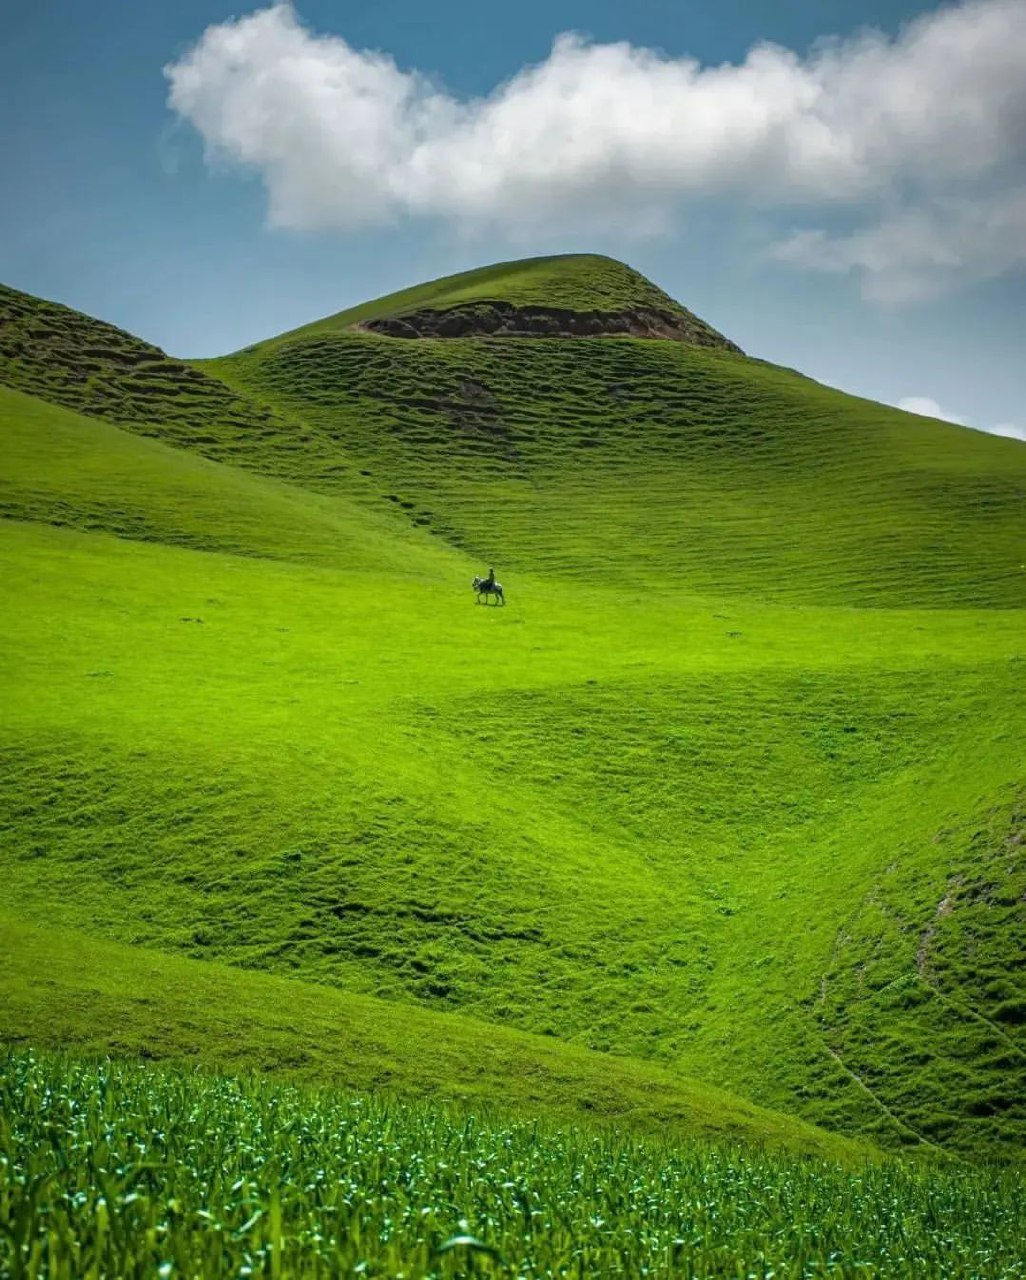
(622, 460)
(732, 792)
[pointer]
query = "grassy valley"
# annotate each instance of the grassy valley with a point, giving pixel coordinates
(716, 831)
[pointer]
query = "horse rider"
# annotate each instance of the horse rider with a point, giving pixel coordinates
(489, 582)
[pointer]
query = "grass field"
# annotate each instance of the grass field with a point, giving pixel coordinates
(732, 791)
(140, 1172)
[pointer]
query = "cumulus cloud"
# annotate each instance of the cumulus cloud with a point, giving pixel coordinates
(929, 408)
(922, 135)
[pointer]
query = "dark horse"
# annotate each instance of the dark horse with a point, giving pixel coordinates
(484, 589)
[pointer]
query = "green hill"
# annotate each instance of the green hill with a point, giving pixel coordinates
(732, 790)
(624, 460)
(75, 361)
(70, 471)
(98, 996)
(573, 295)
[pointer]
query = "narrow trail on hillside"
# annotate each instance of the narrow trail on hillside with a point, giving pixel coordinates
(967, 1011)
(861, 1084)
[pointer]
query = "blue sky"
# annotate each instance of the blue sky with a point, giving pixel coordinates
(857, 211)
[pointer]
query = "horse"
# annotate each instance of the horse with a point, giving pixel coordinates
(484, 589)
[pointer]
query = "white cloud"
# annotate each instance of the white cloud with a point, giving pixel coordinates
(914, 254)
(929, 408)
(924, 135)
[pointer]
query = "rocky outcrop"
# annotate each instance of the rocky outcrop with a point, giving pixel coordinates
(503, 320)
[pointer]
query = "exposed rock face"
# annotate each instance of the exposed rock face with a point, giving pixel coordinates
(503, 320)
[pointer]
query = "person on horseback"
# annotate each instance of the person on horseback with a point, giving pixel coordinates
(485, 587)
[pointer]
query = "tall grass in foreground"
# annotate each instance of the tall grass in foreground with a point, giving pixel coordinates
(119, 1170)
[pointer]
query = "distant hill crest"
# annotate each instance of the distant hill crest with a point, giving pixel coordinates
(568, 296)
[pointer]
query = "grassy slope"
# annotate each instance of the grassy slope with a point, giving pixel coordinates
(66, 470)
(65, 358)
(297, 784)
(626, 842)
(635, 461)
(70, 991)
(574, 282)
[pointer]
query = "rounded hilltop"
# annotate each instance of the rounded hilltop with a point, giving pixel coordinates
(567, 296)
